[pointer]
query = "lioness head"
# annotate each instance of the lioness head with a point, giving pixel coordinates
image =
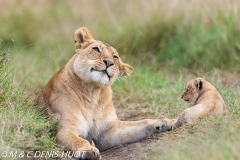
(96, 61)
(192, 90)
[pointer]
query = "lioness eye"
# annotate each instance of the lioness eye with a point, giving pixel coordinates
(96, 49)
(116, 57)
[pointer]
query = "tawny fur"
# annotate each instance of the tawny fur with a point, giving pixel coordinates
(79, 96)
(207, 102)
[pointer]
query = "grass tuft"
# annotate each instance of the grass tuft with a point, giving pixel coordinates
(22, 126)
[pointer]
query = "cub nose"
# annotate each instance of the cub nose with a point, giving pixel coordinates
(108, 62)
(182, 96)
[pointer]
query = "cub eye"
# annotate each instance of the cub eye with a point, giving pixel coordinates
(96, 49)
(186, 90)
(115, 57)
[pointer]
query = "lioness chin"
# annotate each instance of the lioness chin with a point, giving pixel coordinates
(79, 96)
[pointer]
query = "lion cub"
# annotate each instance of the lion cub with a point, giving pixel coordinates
(206, 98)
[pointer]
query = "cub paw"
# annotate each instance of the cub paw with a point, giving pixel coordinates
(92, 154)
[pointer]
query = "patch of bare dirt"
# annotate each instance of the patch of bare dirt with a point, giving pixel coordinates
(139, 150)
(134, 151)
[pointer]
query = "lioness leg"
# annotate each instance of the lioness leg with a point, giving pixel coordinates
(121, 132)
(68, 138)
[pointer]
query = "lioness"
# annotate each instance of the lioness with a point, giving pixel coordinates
(79, 96)
(206, 98)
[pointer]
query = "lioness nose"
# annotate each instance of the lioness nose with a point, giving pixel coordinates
(108, 62)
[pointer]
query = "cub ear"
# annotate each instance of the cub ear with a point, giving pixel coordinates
(197, 84)
(81, 36)
(125, 70)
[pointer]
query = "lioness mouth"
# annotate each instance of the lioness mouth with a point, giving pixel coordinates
(103, 71)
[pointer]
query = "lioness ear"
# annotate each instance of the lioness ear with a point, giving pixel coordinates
(125, 69)
(81, 36)
(197, 84)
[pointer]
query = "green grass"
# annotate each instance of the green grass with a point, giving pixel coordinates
(213, 138)
(167, 45)
(23, 126)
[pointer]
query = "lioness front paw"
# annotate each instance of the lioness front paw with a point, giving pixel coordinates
(92, 154)
(171, 122)
(165, 125)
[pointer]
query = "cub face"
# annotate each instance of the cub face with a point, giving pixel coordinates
(192, 90)
(97, 62)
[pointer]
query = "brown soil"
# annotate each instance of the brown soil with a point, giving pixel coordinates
(134, 151)
(141, 150)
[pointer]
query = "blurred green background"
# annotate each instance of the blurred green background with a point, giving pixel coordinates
(172, 35)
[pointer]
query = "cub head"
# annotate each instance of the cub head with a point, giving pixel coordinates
(192, 90)
(97, 62)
